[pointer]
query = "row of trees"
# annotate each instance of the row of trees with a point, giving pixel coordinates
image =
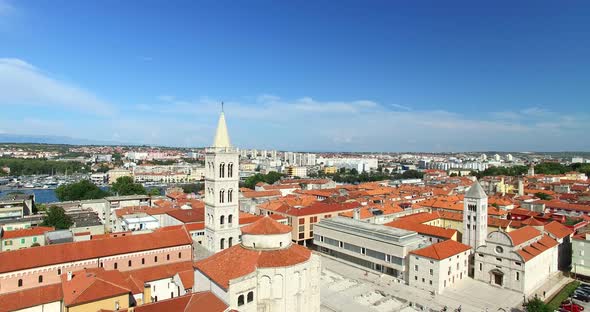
(269, 178)
(352, 176)
(542, 168)
(87, 190)
(41, 166)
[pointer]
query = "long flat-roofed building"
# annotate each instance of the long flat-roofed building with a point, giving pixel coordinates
(377, 247)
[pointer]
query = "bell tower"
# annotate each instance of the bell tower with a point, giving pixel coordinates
(222, 226)
(475, 216)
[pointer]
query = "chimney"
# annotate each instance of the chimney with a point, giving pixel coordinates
(69, 276)
(356, 214)
(520, 187)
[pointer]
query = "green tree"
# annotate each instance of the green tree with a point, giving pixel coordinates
(154, 192)
(79, 191)
(126, 186)
(193, 188)
(56, 217)
(536, 305)
(543, 196)
(269, 178)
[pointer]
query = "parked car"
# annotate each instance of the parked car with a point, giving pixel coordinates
(582, 291)
(571, 307)
(581, 297)
(585, 286)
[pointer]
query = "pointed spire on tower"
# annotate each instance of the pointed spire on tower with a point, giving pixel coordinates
(221, 135)
(476, 191)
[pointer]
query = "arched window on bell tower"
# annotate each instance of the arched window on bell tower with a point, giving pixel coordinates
(222, 196)
(222, 170)
(230, 170)
(230, 194)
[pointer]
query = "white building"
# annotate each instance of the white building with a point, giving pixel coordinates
(438, 266)
(376, 247)
(521, 260)
(222, 227)
(475, 216)
(265, 272)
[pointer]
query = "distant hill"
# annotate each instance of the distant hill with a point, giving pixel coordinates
(51, 139)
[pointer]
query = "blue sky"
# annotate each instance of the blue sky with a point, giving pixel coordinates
(313, 75)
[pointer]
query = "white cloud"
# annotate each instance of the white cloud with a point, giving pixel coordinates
(24, 84)
(307, 124)
(6, 8)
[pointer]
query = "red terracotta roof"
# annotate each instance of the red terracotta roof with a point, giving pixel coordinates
(535, 249)
(195, 302)
(30, 297)
(187, 277)
(188, 215)
(523, 234)
(159, 272)
(257, 194)
(266, 226)
(195, 226)
(92, 285)
(238, 261)
(557, 229)
(68, 252)
(424, 229)
(34, 231)
(442, 250)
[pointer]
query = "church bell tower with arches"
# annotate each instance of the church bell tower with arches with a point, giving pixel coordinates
(222, 226)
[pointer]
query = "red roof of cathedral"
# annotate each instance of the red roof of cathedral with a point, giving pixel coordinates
(442, 250)
(266, 226)
(523, 234)
(238, 261)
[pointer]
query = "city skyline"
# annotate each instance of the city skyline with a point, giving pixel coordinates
(387, 78)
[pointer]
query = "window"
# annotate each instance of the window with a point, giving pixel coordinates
(222, 243)
(115, 265)
(168, 257)
(222, 220)
(8, 243)
(230, 219)
(22, 240)
(302, 221)
(230, 169)
(34, 239)
(251, 296)
(415, 277)
(517, 263)
(499, 249)
(142, 260)
(431, 282)
(480, 266)
(40, 278)
(457, 266)
(221, 170)
(431, 272)
(129, 263)
(499, 259)
(230, 195)
(468, 227)
(481, 255)
(416, 267)
(518, 276)
(241, 300)
(58, 271)
(301, 228)
(230, 241)
(301, 235)
(221, 196)
(363, 250)
(313, 219)
(179, 255)
(423, 280)
(20, 283)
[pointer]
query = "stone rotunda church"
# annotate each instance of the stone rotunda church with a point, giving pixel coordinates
(256, 267)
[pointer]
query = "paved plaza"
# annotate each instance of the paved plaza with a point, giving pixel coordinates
(347, 288)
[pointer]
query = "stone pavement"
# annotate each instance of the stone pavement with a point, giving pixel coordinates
(471, 295)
